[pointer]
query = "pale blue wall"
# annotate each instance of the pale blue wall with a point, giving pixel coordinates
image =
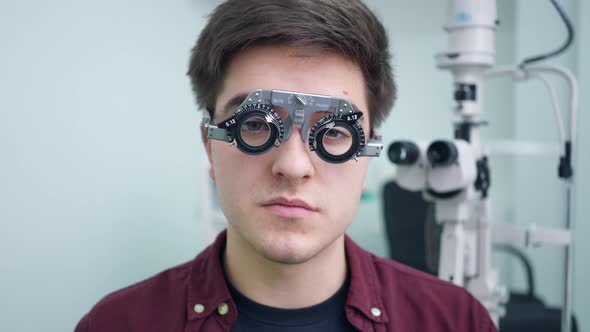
(582, 268)
(538, 194)
(102, 171)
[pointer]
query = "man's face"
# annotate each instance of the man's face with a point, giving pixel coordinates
(287, 205)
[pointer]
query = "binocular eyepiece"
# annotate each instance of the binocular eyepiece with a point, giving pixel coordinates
(441, 166)
(403, 153)
(439, 153)
(442, 153)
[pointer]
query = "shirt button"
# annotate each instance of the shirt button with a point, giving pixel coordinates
(199, 308)
(375, 311)
(222, 309)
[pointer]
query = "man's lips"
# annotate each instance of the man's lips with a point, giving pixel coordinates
(289, 208)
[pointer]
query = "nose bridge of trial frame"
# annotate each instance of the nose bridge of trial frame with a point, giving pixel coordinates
(299, 107)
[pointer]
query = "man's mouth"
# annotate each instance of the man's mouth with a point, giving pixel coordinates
(289, 208)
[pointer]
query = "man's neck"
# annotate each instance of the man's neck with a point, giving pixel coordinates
(284, 285)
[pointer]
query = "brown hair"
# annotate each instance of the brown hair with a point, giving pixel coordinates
(347, 27)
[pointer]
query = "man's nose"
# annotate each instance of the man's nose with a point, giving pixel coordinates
(293, 158)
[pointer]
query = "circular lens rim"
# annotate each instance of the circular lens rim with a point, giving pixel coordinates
(337, 159)
(247, 148)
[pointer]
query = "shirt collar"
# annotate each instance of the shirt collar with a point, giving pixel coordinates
(208, 286)
(364, 293)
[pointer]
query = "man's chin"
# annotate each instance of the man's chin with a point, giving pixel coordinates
(291, 258)
(283, 241)
(290, 251)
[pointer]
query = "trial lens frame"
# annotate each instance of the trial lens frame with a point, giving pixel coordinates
(300, 107)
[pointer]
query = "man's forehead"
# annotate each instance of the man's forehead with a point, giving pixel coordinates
(282, 67)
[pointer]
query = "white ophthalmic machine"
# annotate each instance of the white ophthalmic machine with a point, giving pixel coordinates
(454, 173)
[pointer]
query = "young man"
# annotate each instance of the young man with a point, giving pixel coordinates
(263, 70)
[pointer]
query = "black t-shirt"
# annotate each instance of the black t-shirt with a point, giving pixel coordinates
(327, 316)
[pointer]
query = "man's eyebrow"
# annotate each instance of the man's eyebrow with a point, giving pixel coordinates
(233, 103)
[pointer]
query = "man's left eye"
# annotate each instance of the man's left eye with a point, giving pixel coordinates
(335, 133)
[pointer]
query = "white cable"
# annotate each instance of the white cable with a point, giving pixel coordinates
(573, 84)
(556, 108)
(521, 74)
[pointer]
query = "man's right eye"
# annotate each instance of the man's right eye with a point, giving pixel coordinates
(255, 131)
(254, 126)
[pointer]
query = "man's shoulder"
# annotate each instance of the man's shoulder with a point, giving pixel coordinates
(160, 302)
(153, 301)
(400, 284)
(411, 283)
(426, 298)
(390, 271)
(168, 281)
(156, 285)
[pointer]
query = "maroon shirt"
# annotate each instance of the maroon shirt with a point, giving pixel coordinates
(383, 296)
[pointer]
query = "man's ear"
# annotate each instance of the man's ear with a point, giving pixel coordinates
(207, 145)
